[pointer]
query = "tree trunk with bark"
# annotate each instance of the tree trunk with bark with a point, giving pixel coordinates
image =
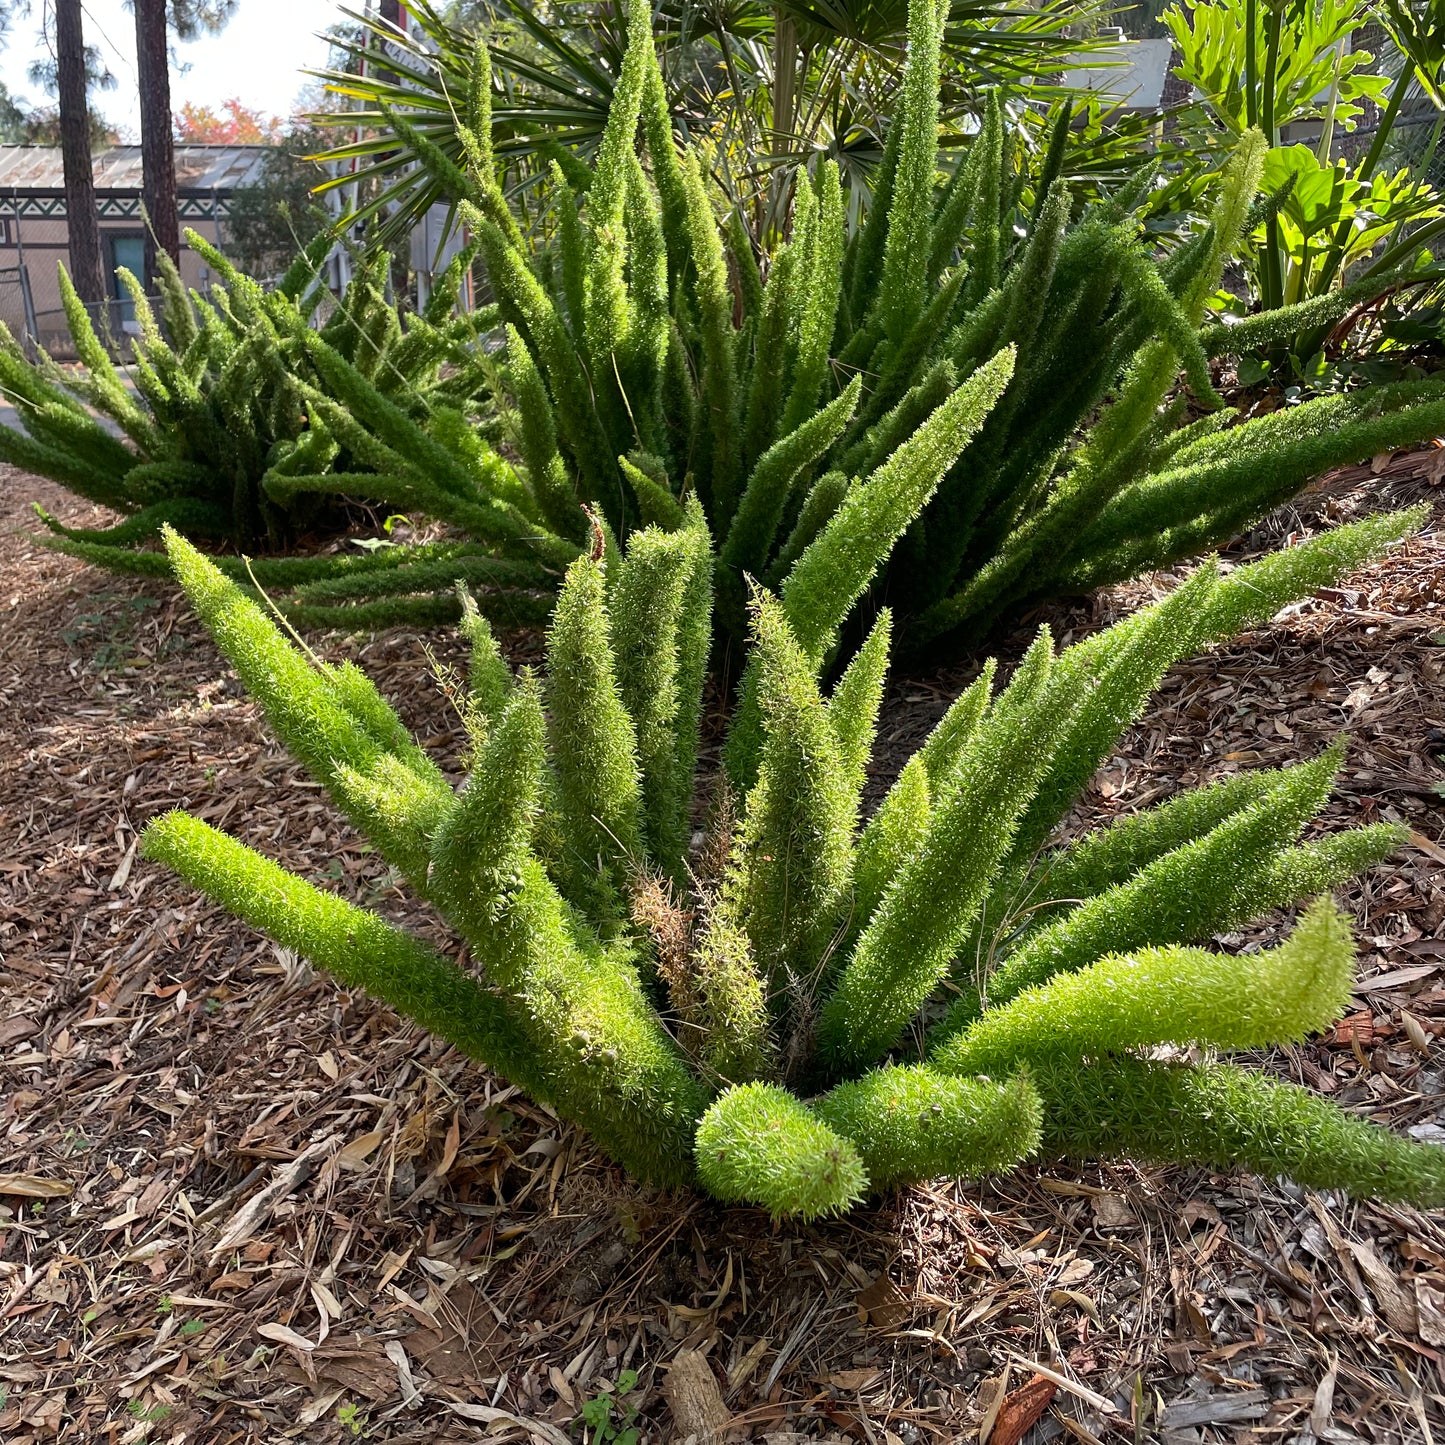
(390, 14)
(158, 166)
(82, 221)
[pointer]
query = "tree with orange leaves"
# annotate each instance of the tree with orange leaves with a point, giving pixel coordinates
(235, 124)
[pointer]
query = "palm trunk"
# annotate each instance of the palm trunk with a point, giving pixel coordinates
(785, 72)
(158, 165)
(82, 221)
(785, 116)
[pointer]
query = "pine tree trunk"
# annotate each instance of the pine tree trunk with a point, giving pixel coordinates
(158, 166)
(390, 14)
(82, 222)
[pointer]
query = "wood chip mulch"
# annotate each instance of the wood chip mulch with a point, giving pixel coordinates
(240, 1205)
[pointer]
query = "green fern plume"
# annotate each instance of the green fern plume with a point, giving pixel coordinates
(758, 1144)
(250, 420)
(911, 1121)
(1170, 995)
(1225, 1117)
(593, 741)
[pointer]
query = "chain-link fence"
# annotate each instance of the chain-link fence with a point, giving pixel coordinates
(17, 300)
(113, 319)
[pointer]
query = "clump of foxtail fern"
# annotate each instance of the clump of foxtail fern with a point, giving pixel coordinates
(655, 351)
(232, 432)
(655, 354)
(823, 1003)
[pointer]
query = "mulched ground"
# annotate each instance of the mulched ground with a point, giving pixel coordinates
(239, 1205)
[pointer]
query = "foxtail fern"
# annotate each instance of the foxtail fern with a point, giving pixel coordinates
(236, 426)
(817, 1003)
(650, 355)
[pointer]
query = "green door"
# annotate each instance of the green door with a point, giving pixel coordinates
(130, 252)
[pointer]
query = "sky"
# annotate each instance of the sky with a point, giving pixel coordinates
(257, 57)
